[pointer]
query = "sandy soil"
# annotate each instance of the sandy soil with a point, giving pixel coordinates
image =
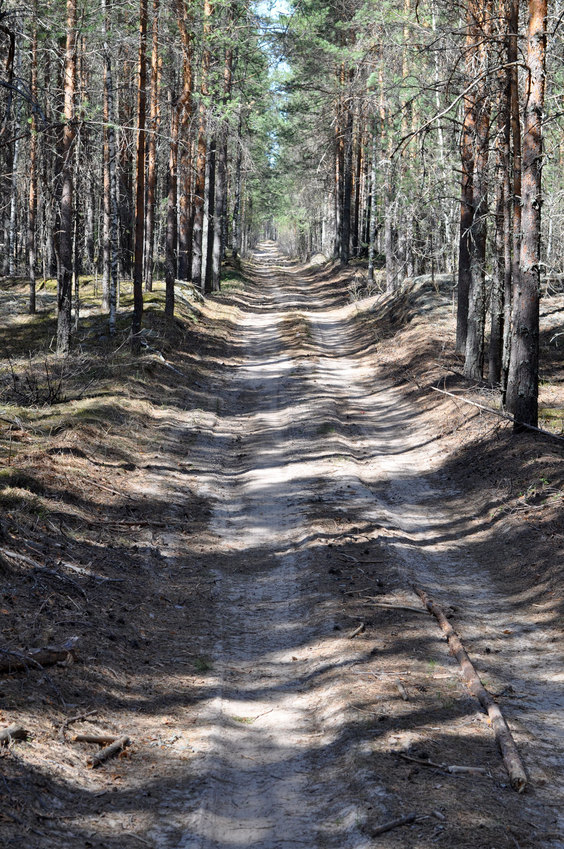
(295, 476)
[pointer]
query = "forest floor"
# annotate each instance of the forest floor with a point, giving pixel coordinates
(231, 526)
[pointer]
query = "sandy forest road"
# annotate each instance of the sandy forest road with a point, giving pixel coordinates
(317, 477)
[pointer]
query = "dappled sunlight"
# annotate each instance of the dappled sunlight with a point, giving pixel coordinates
(255, 537)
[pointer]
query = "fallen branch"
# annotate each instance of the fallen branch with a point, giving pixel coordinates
(453, 769)
(505, 741)
(109, 752)
(87, 573)
(388, 826)
(384, 605)
(499, 413)
(12, 732)
(99, 739)
(357, 631)
(48, 656)
(104, 487)
(37, 567)
(72, 719)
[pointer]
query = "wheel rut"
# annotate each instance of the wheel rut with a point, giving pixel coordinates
(318, 469)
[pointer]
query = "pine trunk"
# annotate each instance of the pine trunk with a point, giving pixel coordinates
(474, 358)
(515, 209)
(65, 240)
(466, 217)
(140, 183)
(171, 215)
(211, 207)
(372, 218)
(522, 386)
(32, 202)
(236, 230)
(184, 165)
(200, 185)
(152, 151)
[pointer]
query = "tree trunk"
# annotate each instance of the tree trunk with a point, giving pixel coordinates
(13, 231)
(152, 151)
(502, 258)
(185, 144)
(7, 144)
(347, 188)
(522, 386)
(372, 224)
(221, 180)
(236, 231)
(211, 205)
(111, 211)
(466, 217)
(140, 187)
(515, 209)
(32, 203)
(107, 201)
(199, 188)
(355, 236)
(66, 206)
(171, 215)
(474, 359)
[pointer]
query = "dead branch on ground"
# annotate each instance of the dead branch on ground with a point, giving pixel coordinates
(388, 826)
(109, 751)
(505, 741)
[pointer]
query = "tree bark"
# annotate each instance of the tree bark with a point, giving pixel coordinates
(220, 218)
(522, 386)
(154, 120)
(347, 187)
(211, 205)
(200, 186)
(171, 216)
(140, 185)
(32, 202)
(111, 211)
(503, 222)
(474, 358)
(185, 144)
(66, 205)
(372, 219)
(13, 230)
(236, 231)
(515, 209)
(466, 209)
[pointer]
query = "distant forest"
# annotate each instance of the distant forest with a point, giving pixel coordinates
(151, 140)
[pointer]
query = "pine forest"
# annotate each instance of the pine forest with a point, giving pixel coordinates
(281, 423)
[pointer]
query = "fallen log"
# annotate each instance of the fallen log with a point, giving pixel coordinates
(12, 732)
(503, 736)
(109, 751)
(38, 658)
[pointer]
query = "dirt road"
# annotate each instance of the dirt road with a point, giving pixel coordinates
(234, 539)
(323, 505)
